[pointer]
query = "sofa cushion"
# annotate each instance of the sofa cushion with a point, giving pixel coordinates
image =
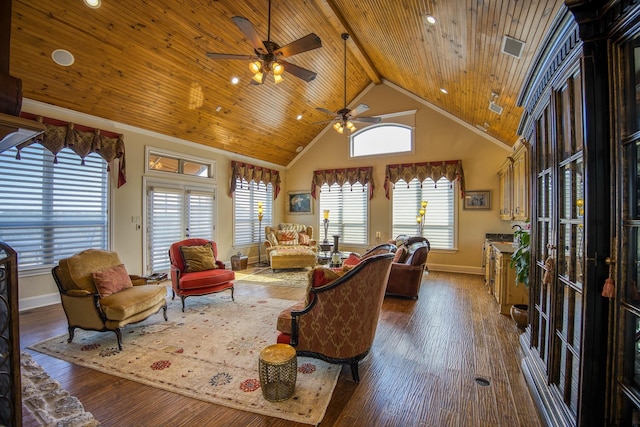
(284, 318)
(271, 238)
(401, 254)
(131, 301)
(111, 280)
(303, 239)
(198, 258)
(352, 259)
(206, 278)
(287, 237)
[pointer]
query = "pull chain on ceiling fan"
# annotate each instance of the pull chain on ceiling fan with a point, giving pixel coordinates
(268, 54)
(345, 118)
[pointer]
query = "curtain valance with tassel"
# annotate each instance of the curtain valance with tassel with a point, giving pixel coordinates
(250, 172)
(450, 169)
(363, 175)
(82, 140)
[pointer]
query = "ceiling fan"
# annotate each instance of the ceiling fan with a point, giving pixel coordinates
(345, 117)
(268, 54)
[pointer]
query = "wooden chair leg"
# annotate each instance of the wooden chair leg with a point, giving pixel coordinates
(232, 294)
(182, 297)
(72, 330)
(164, 312)
(119, 338)
(354, 372)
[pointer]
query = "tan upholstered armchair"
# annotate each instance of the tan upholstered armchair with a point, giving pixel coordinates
(337, 321)
(97, 293)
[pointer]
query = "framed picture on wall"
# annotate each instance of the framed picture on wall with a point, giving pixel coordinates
(477, 200)
(299, 202)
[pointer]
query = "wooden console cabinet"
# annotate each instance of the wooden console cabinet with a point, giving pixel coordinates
(505, 290)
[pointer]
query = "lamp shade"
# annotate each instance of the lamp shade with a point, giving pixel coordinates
(326, 214)
(255, 67)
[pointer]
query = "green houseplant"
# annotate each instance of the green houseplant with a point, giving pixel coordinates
(520, 262)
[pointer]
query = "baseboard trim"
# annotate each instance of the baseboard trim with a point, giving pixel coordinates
(39, 301)
(455, 268)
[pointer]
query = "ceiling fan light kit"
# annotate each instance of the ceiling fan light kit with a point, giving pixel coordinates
(268, 55)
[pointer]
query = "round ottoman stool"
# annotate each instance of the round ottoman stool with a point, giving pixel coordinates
(278, 366)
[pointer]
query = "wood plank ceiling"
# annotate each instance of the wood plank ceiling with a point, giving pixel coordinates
(143, 63)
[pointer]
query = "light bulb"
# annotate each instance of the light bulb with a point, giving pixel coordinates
(255, 67)
(336, 126)
(277, 68)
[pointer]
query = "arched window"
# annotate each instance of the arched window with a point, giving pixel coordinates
(384, 138)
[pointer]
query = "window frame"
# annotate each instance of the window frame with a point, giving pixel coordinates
(345, 189)
(374, 128)
(181, 158)
(455, 208)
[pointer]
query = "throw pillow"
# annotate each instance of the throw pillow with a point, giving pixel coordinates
(111, 280)
(287, 237)
(401, 254)
(303, 239)
(271, 237)
(351, 260)
(198, 258)
(320, 276)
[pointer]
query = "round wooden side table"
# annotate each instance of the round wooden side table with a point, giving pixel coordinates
(278, 366)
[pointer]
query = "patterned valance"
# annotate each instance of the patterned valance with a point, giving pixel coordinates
(83, 140)
(258, 174)
(450, 169)
(363, 175)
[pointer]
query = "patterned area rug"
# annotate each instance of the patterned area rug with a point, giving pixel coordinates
(293, 278)
(47, 402)
(210, 352)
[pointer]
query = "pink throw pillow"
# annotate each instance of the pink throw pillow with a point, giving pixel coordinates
(111, 280)
(400, 254)
(303, 239)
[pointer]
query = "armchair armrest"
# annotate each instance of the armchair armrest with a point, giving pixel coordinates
(267, 244)
(78, 293)
(220, 264)
(138, 280)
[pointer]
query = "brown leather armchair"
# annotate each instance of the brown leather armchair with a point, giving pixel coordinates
(187, 283)
(83, 304)
(337, 321)
(406, 271)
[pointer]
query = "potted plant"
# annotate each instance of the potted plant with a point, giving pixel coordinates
(520, 261)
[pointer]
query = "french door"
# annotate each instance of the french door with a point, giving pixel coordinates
(176, 212)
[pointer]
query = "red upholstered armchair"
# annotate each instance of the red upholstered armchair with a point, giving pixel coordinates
(408, 267)
(337, 322)
(196, 271)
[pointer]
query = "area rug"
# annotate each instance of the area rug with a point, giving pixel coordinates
(293, 278)
(47, 402)
(210, 352)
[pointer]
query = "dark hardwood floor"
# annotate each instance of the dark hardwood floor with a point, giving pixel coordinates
(421, 370)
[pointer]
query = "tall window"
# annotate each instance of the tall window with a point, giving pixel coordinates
(246, 226)
(174, 213)
(348, 212)
(439, 223)
(51, 211)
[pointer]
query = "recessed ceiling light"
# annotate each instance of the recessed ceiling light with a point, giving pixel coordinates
(93, 4)
(299, 117)
(235, 80)
(443, 90)
(299, 149)
(431, 19)
(62, 57)
(218, 108)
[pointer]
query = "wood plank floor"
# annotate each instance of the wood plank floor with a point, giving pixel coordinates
(421, 370)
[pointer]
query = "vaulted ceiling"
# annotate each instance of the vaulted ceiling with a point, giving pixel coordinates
(144, 63)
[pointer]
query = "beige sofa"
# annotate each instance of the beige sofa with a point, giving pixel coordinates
(290, 246)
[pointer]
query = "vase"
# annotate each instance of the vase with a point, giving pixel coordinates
(520, 315)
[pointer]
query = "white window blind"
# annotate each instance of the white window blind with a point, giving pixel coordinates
(348, 212)
(175, 214)
(246, 227)
(51, 211)
(440, 219)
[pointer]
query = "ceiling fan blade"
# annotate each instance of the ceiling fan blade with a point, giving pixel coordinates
(304, 44)
(366, 119)
(324, 110)
(359, 109)
(299, 72)
(323, 122)
(213, 55)
(250, 33)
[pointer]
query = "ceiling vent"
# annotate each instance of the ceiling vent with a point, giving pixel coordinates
(495, 107)
(512, 46)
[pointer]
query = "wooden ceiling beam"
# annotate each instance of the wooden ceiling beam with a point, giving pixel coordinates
(338, 21)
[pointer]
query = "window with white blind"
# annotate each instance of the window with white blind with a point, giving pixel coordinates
(175, 213)
(50, 211)
(246, 227)
(348, 212)
(440, 220)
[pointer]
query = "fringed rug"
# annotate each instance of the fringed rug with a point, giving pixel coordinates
(293, 278)
(47, 402)
(210, 352)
